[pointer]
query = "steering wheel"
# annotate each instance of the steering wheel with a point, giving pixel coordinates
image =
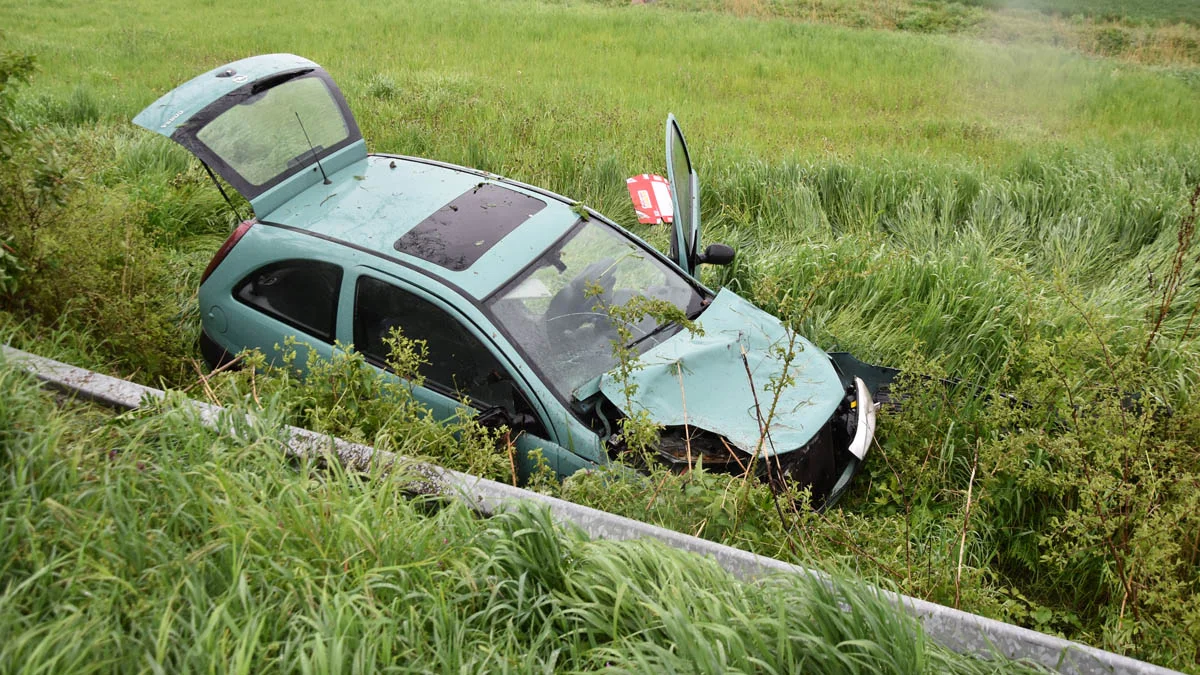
(570, 318)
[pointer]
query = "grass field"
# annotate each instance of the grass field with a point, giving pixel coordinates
(1130, 10)
(1148, 33)
(1013, 215)
(782, 90)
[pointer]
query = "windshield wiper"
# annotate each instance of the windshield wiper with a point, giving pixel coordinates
(657, 330)
(663, 326)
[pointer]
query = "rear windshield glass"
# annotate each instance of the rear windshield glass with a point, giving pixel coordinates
(264, 136)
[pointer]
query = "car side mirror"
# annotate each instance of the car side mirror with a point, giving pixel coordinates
(497, 416)
(717, 254)
(494, 417)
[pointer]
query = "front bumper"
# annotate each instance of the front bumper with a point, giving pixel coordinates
(864, 433)
(864, 430)
(825, 465)
(828, 462)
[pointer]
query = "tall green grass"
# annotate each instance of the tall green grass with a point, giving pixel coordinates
(1131, 10)
(148, 542)
(966, 264)
(1004, 215)
(576, 82)
(1134, 31)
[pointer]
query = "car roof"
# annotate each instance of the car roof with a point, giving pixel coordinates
(372, 204)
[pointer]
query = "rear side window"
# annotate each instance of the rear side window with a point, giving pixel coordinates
(301, 293)
(458, 362)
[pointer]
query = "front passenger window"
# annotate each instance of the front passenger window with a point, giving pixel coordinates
(459, 364)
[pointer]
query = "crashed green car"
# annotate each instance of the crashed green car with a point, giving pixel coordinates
(507, 283)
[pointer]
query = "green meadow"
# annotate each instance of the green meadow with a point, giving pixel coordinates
(1126, 10)
(1012, 216)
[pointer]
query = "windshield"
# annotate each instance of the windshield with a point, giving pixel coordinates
(555, 310)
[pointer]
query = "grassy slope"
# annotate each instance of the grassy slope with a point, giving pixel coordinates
(1148, 33)
(887, 192)
(884, 128)
(606, 76)
(1135, 10)
(149, 542)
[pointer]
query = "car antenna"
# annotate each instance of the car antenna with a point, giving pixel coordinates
(314, 150)
(221, 190)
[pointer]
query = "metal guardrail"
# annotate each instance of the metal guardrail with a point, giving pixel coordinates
(959, 631)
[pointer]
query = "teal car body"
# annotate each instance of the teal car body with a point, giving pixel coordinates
(504, 281)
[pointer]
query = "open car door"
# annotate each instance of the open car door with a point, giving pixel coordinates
(271, 126)
(685, 196)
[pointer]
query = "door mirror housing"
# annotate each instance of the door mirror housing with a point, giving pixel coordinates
(517, 422)
(496, 417)
(718, 254)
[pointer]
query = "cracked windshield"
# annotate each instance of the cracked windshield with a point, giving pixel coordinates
(556, 311)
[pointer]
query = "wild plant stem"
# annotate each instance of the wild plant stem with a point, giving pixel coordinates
(1175, 276)
(687, 432)
(512, 455)
(962, 542)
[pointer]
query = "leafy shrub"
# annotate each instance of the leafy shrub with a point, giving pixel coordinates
(10, 267)
(1112, 40)
(33, 180)
(1080, 491)
(344, 396)
(94, 266)
(89, 255)
(938, 17)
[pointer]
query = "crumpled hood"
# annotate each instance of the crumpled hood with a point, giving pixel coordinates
(702, 380)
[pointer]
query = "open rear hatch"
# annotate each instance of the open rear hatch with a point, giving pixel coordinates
(272, 126)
